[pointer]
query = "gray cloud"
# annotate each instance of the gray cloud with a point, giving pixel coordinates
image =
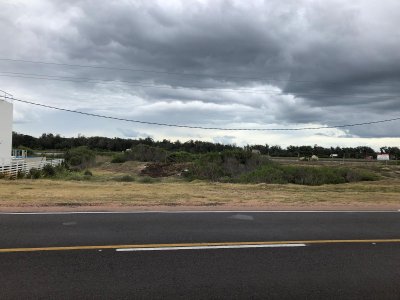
(226, 139)
(291, 63)
(130, 133)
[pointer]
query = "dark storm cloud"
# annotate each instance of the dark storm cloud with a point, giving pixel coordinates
(319, 62)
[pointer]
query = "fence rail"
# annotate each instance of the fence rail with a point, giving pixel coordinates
(24, 165)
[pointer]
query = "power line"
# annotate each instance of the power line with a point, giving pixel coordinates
(201, 127)
(5, 93)
(149, 85)
(134, 83)
(133, 70)
(260, 78)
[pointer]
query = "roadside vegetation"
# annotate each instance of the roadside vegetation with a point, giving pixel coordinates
(146, 161)
(229, 166)
(149, 176)
(49, 141)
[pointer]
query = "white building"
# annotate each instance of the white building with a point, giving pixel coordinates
(10, 165)
(382, 156)
(6, 119)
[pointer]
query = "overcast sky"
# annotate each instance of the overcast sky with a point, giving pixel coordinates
(231, 64)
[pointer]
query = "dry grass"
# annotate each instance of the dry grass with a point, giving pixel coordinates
(44, 193)
(129, 167)
(103, 191)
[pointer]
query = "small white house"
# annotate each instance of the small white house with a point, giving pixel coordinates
(382, 156)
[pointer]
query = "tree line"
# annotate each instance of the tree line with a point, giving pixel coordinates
(49, 141)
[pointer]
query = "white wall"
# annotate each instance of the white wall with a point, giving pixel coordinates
(6, 119)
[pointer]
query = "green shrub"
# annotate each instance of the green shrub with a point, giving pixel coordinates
(305, 175)
(266, 174)
(360, 175)
(119, 158)
(143, 152)
(147, 179)
(313, 175)
(181, 157)
(48, 171)
(126, 178)
(225, 179)
(81, 157)
(35, 173)
(88, 173)
(226, 164)
(20, 175)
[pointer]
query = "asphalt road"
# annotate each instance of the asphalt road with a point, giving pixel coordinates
(332, 255)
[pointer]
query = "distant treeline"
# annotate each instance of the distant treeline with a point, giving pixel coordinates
(48, 141)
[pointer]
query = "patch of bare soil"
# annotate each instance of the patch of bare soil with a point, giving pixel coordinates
(164, 169)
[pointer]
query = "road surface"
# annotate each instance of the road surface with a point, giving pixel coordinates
(201, 255)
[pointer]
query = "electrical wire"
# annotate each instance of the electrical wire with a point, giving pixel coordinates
(201, 127)
(260, 78)
(148, 85)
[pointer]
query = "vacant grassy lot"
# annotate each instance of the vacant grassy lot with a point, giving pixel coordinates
(105, 189)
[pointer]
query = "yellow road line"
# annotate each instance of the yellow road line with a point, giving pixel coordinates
(68, 248)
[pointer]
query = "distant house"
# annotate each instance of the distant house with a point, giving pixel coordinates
(383, 156)
(255, 151)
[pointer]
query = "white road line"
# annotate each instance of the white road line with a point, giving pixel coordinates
(208, 247)
(198, 212)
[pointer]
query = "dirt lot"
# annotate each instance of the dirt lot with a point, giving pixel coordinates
(86, 195)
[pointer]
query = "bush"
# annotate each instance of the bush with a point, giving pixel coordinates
(35, 173)
(88, 173)
(267, 174)
(228, 163)
(81, 157)
(313, 175)
(20, 175)
(119, 158)
(305, 175)
(181, 157)
(126, 178)
(147, 179)
(360, 175)
(48, 171)
(146, 153)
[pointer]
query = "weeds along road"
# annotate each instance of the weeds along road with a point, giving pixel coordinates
(201, 255)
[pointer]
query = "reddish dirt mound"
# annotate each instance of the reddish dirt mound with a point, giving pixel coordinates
(164, 169)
